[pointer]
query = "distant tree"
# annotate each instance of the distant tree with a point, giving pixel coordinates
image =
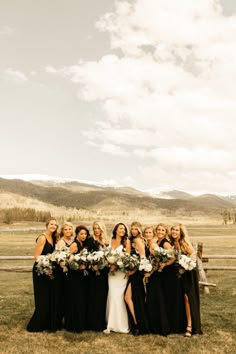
(8, 217)
(225, 217)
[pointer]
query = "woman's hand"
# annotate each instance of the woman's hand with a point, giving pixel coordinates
(112, 267)
(62, 264)
(131, 272)
(147, 275)
(82, 267)
(161, 266)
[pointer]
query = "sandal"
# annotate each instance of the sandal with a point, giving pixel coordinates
(188, 332)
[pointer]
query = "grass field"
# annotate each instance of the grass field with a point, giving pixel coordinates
(218, 309)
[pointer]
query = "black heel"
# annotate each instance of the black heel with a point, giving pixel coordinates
(135, 331)
(188, 332)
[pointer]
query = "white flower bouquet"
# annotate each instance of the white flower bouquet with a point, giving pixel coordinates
(78, 261)
(185, 262)
(145, 265)
(97, 261)
(61, 257)
(114, 259)
(45, 265)
(160, 255)
(130, 262)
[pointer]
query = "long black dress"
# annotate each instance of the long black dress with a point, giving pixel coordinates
(175, 288)
(76, 299)
(189, 283)
(174, 296)
(156, 302)
(97, 295)
(138, 298)
(47, 298)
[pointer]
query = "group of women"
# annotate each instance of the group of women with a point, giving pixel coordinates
(161, 301)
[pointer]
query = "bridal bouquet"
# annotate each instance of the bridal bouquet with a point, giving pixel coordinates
(160, 255)
(45, 265)
(114, 259)
(97, 261)
(75, 261)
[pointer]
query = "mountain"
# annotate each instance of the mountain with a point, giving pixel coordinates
(175, 195)
(212, 200)
(107, 199)
(231, 199)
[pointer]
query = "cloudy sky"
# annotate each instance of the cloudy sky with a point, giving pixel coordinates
(139, 93)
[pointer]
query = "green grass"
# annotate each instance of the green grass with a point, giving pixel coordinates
(217, 308)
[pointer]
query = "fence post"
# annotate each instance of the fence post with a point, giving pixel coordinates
(201, 271)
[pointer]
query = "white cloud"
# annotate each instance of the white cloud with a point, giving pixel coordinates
(169, 97)
(16, 75)
(6, 30)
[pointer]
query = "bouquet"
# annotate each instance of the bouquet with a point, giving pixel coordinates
(97, 261)
(160, 255)
(45, 265)
(114, 259)
(185, 262)
(145, 265)
(61, 258)
(75, 261)
(130, 262)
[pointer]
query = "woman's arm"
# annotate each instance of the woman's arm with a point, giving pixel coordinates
(73, 248)
(59, 245)
(128, 246)
(139, 246)
(39, 246)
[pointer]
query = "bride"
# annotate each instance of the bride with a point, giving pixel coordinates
(116, 313)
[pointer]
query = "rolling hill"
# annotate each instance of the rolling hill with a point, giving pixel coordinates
(90, 197)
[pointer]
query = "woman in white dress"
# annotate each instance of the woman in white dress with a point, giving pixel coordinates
(116, 313)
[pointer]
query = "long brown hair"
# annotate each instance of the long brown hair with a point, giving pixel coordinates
(123, 239)
(55, 235)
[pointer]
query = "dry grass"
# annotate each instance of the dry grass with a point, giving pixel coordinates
(218, 309)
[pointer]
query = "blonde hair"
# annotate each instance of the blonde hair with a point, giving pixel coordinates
(66, 223)
(138, 225)
(165, 227)
(103, 229)
(183, 240)
(149, 227)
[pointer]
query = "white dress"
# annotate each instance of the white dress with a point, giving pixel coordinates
(116, 313)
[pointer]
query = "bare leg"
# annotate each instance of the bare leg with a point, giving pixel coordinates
(188, 315)
(129, 302)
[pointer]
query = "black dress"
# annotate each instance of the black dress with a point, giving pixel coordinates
(76, 299)
(174, 299)
(189, 283)
(156, 302)
(97, 295)
(138, 298)
(47, 298)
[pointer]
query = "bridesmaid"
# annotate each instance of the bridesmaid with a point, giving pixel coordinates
(135, 292)
(66, 239)
(47, 295)
(66, 236)
(77, 289)
(189, 282)
(98, 284)
(156, 302)
(116, 313)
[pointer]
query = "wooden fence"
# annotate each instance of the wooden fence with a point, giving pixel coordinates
(201, 260)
